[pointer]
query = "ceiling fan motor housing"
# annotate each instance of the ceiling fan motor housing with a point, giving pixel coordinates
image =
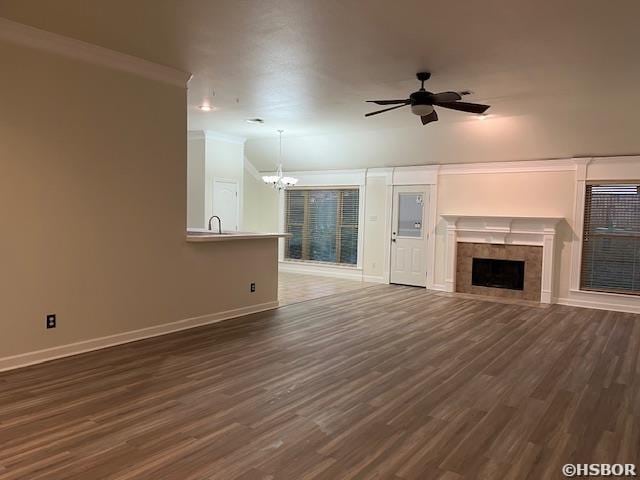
(421, 103)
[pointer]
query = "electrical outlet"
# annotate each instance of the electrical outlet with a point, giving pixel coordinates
(253, 287)
(51, 320)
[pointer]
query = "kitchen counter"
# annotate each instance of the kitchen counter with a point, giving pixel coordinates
(198, 235)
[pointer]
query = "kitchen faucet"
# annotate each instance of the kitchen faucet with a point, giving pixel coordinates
(219, 223)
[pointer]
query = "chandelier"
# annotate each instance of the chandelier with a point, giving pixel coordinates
(279, 181)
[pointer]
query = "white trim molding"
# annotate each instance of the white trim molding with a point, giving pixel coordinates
(556, 165)
(515, 230)
(308, 268)
(253, 171)
(439, 287)
(386, 172)
(224, 137)
(388, 228)
(374, 279)
(594, 170)
(410, 176)
(330, 178)
(347, 179)
(423, 175)
(211, 135)
(36, 38)
(432, 224)
(602, 301)
(39, 356)
(578, 220)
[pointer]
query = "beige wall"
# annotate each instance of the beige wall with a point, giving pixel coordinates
(211, 157)
(621, 168)
(376, 211)
(93, 208)
(539, 194)
(575, 132)
(260, 205)
(196, 174)
(523, 194)
(520, 194)
(224, 160)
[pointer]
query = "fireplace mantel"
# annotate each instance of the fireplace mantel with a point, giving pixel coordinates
(505, 230)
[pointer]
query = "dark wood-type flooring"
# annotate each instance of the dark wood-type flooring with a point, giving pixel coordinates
(386, 382)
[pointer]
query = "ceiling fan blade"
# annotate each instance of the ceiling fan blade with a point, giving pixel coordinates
(464, 106)
(446, 97)
(432, 117)
(388, 102)
(385, 110)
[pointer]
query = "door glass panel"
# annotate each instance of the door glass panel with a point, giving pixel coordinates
(410, 207)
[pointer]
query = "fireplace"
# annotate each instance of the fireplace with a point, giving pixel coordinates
(496, 273)
(508, 243)
(506, 271)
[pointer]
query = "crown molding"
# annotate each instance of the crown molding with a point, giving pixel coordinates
(36, 38)
(211, 135)
(562, 165)
(416, 175)
(253, 171)
(195, 135)
(326, 178)
(350, 171)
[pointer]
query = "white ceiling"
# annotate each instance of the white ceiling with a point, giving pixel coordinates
(308, 65)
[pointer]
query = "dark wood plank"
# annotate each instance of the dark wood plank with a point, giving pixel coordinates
(381, 382)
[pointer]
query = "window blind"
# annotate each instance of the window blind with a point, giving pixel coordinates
(611, 238)
(323, 224)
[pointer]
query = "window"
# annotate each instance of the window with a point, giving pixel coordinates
(323, 224)
(611, 239)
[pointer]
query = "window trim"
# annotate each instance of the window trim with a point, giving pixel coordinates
(576, 295)
(612, 291)
(314, 263)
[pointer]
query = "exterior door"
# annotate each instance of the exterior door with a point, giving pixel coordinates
(409, 235)
(225, 203)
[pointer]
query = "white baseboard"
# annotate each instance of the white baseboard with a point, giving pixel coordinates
(321, 270)
(440, 287)
(374, 279)
(599, 305)
(39, 356)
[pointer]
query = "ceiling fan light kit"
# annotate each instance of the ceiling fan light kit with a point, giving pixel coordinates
(421, 109)
(423, 102)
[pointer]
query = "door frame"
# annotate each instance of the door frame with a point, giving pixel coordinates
(413, 176)
(215, 180)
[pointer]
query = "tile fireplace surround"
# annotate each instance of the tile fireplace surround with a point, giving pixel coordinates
(503, 230)
(529, 254)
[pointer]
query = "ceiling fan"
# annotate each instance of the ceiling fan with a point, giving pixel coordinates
(422, 102)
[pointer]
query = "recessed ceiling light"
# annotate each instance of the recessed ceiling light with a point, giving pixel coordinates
(483, 116)
(255, 120)
(206, 108)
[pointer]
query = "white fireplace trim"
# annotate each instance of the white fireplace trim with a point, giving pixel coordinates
(503, 230)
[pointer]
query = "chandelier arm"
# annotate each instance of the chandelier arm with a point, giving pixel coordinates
(279, 181)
